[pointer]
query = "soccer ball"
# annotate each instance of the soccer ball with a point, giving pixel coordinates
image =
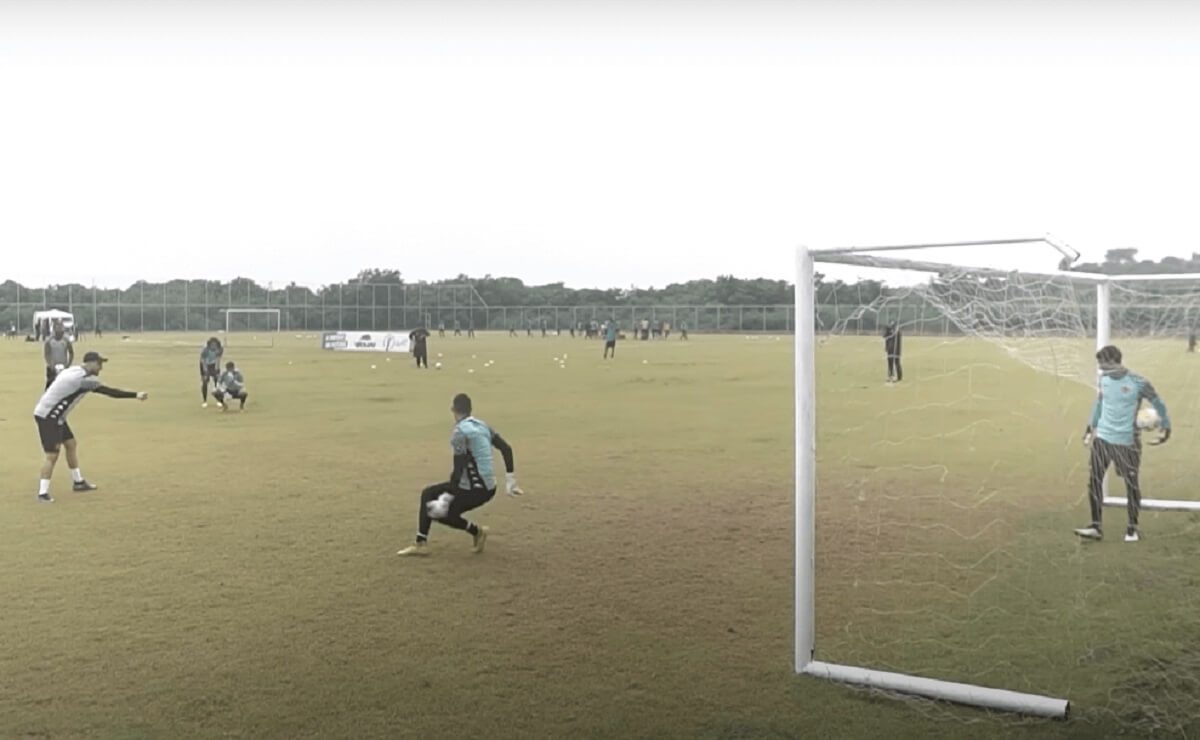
(440, 506)
(437, 366)
(1147, 418)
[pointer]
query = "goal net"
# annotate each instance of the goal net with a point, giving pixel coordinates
(252, 327)
(935, 513)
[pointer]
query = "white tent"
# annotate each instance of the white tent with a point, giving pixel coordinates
(46, 318)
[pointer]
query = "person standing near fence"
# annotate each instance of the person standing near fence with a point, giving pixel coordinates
(891, 345)
(58, 353)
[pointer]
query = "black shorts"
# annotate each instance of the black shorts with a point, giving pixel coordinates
(612, 343)
(53, 433)
(209, 371)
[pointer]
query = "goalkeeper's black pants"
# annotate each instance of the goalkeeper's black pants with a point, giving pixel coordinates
(894, 370)
(464, 501)
(422, 356)
(1126, 459)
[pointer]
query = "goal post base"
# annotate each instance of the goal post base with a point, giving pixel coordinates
(1002, 700)
(1155, 504)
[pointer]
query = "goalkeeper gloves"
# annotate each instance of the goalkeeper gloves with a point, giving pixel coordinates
(1087, 436)
(1166, 434)
(439, 507)
(510, 482)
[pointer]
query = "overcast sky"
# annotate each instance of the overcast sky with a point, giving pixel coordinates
(602, 143)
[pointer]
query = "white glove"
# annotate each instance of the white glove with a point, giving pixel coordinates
(510, 482)
(440, 506)
(59, 368)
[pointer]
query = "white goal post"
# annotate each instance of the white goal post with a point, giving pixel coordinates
(272, 324)
(806, 459)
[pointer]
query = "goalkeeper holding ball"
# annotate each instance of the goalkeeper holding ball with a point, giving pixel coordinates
(1115, 438)
(471, 484)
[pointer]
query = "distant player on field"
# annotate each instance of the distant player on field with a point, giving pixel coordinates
(233, 385)
(210, 366)
(58, 353)
(420, 350)
(1114, 438)
(50, 415)
(471, 483)
(610, 338)
(891, 345)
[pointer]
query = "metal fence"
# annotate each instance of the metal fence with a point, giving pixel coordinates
(199, 306)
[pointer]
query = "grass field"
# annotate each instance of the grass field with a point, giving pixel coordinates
(235, 575)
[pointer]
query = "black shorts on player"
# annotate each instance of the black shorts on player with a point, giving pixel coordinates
(53, 433)
(209, 372)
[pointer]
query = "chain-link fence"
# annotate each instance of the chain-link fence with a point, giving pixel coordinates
(200, 306)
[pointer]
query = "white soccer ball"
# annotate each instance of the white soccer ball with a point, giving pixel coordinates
(1147, 418)
(437, 366)
(372, 367)
(440, 506)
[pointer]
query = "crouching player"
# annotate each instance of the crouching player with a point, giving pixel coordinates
(233, 386)
(1115, 440)
(471, 484)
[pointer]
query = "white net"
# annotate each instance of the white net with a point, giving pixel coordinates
(946, 501)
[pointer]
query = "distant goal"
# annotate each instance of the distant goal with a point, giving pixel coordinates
(252, 327)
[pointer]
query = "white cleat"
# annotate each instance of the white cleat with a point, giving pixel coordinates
(1132, 536)
(204, 405)
(1090, 533)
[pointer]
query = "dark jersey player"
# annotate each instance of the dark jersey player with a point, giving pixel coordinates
(210, 367)
(420, 348)
(70, 387)
(472, 483)
(891, 345)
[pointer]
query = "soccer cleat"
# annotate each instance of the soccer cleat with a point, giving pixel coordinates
(204, 405)
(85, 486)
(480, 538)
(417, 548)
(1131, 535)
(1090, 533)
(45, 498)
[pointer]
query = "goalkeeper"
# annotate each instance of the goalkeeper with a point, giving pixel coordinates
(471, 484)
(1114, 438)
(233, 385)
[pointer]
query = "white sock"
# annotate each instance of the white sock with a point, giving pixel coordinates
(43, 486)
(76, 475)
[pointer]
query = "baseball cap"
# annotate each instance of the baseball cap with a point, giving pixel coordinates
(94, 357)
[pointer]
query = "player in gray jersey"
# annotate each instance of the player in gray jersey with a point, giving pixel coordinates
(472, 482)
(50, 415)
(233, 385)
(58, 353)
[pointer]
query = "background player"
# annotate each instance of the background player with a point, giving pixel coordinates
(1113, 436)
(610, 338)
(420, 349)
(210, 367)
(58, 353)
(472, 483)
(891, 345)
(233, 384)
(50, 415)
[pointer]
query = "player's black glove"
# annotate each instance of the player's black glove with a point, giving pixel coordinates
(1166, 434)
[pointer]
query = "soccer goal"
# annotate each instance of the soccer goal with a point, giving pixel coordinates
(252, 327)
(934, 499)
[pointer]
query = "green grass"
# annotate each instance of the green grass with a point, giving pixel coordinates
(235, 575)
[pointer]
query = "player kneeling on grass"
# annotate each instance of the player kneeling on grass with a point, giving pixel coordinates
(233, 385)
(1114, 437)
(64, 394)
(471, 484)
